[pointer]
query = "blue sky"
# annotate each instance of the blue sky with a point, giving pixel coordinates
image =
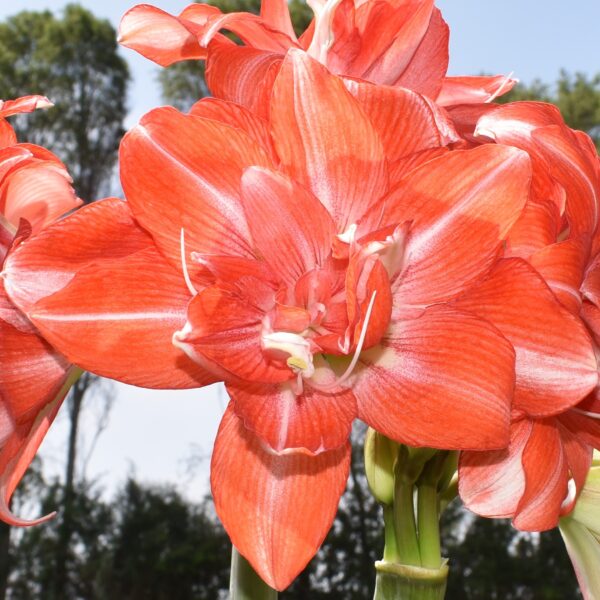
(155, 433)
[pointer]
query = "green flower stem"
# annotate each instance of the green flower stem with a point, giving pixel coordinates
(429, 528)
(402, 582)
(404, 523)
(390, 550)
(245, 584)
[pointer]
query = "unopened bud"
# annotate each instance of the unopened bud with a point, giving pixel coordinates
(380, 457)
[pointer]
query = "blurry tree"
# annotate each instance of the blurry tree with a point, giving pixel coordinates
(74, 61)
(163, 547)
(577, 96)
(183, 83)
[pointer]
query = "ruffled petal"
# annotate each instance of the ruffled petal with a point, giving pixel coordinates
(161, 37)
(277, 509)
(312, 422)
(443, 380)
(232, 73)
(224, 329)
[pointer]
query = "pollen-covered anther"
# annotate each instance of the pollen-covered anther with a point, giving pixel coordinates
(291, 347)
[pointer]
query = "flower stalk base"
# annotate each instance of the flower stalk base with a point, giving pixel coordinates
(245, 583)
(403, 582)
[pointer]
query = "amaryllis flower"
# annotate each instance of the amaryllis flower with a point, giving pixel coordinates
(539, 476)
(317, 252)
(35, 189)
(392, 42)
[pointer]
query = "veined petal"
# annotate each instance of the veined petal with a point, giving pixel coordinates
(474, 90)
(100, 292)
(224, 329)
(427, 68)
(443, 380)
(277, 509)
(325, 141)
(237, 116)
(25, 104)
(184, 172)
(39, 191)
(116, 318)
(555, 362)
(461, 206)
(290, 228)
(276, 14)
(404, 120)
(44, 264)
(33, 385)
(546, 474)
(159, 36)
(492, 483)
(562, 265)
(232, 73)
(311, 422)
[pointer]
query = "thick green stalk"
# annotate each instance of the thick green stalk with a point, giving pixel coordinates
(390, 550)
(429, 528)
(404, 523)
(245, 584)
(402, 582)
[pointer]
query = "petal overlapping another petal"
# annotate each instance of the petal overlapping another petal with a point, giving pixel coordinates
(262, 500)
(443, 380)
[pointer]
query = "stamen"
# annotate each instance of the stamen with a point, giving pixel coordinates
(354, 361)
(501, 88)
(186, 275)
(587, 413)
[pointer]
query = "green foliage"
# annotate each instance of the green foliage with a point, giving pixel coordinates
(183, 83)
(74, 61)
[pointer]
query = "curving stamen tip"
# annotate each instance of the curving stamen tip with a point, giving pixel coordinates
(501, 89)
(186, 275)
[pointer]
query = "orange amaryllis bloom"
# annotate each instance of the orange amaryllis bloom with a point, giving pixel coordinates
(392, 42)
(537, 478)
(35, 189)
(320, 250)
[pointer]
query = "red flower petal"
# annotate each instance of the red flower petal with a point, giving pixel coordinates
(232, 73)
(462, 205)
(161, 37)
(312, 422)
(324, 139)
(181, 171)
(224, 331)
(546, 474)
(99, 291)
(405, 121)
(277, 509)
(492, 483)
(473, 90)
(555, 366)
(290, 228)
(443, 380)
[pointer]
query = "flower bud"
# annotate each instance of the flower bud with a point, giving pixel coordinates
(380, 457)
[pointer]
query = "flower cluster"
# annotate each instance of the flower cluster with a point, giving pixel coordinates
(342, 231)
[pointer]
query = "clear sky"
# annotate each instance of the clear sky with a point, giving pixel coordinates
(154, 433)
